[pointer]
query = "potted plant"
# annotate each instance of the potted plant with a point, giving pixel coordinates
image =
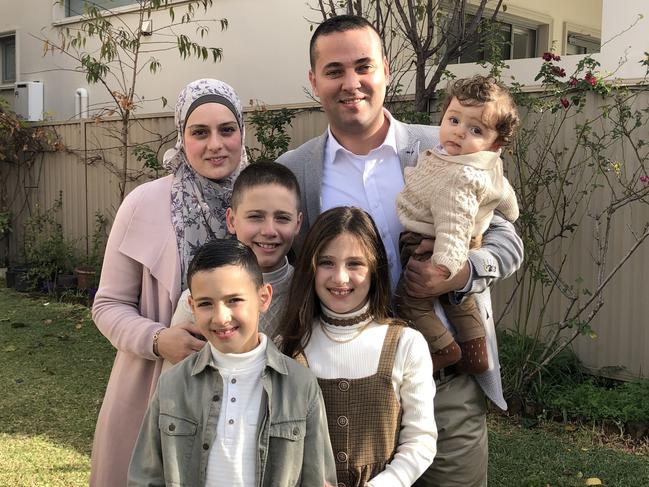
(48, 253)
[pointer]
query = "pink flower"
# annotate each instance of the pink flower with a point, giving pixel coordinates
(644, 179)
(548, 56)
(572, 81)
(590, 79)
(565, 102)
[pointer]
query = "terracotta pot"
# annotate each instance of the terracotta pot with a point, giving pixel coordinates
(85, 277)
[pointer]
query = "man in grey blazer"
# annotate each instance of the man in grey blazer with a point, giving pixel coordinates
(359, 161)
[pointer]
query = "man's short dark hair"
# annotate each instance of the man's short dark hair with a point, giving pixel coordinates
(261, 173)
(221, 252)
(340, 23)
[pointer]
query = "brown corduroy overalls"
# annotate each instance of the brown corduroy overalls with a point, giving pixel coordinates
(364, 418)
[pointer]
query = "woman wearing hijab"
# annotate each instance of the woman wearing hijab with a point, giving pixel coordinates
(156, 232)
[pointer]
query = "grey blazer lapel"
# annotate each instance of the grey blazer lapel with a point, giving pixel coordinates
(407, 148)
(312, 187)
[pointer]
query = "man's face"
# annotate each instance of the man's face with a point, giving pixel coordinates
(350, 77)
(226, 304)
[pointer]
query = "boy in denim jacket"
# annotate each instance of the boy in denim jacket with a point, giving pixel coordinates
(237, 413)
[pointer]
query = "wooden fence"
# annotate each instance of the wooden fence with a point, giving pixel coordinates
(84, 178)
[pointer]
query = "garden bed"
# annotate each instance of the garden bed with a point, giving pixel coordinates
(566, 393)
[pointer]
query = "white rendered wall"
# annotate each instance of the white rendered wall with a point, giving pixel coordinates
(265, 49)
(265, 54)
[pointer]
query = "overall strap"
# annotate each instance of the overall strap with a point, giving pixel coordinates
(389, 351)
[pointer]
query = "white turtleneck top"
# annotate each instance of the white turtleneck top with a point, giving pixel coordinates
(232, 458)
(412, 380)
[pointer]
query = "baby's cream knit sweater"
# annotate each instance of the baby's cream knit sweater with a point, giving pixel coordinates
(453, 198)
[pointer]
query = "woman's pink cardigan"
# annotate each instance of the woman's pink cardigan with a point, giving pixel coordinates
(138, 292)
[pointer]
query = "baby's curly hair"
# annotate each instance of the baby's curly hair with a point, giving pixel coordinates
(479, 90)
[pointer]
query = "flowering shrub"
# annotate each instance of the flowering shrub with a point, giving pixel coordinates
(21, 142)
(573, 90)
(579, 166)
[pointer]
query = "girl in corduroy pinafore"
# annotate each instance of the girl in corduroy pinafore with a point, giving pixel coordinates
(375, 373)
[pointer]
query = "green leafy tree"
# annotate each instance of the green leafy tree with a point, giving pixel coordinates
(112, 50)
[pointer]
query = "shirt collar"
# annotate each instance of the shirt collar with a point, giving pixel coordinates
(251, 359)
(333, 147)
(274, 359)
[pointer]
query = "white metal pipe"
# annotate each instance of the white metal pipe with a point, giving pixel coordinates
(81, 103)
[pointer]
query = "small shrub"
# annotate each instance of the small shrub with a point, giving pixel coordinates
(271, 133)
(99, 238)
(563, 388)
(5, 223)
(47, 252)
(514, 349)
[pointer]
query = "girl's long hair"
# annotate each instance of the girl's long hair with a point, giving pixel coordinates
(303, 303)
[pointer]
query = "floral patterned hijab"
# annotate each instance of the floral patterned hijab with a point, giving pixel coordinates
(198, 204)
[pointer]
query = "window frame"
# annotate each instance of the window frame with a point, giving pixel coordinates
(59, 13)
(510, 29)
(66, 6)
(6, 83)
(571, 29)
(519, 17)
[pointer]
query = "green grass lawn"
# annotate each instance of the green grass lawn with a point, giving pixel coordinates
(55, 365)
(554, 456)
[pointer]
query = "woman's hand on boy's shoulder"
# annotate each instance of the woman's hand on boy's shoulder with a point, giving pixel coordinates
(178, 342)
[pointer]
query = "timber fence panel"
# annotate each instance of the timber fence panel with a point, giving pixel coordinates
(88, 174)
(620, 346)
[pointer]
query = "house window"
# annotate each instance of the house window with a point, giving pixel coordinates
(582, 44)
(8, 59)
(504, 40)
(76, 7)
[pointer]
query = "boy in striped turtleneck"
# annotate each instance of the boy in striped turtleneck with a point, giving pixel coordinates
(265, 215)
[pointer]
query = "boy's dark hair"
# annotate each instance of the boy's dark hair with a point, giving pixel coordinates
(225, 251)
(262, 173)
(479, 90)
(340, 23)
